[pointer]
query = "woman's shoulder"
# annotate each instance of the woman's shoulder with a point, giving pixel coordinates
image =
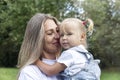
(30, 72)
(29, 68)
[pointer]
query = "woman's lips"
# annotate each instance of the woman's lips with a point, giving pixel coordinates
(56, 43)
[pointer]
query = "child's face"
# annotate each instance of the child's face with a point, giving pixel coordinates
(70, 35)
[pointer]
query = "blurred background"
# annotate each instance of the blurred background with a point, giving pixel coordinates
(103, 44)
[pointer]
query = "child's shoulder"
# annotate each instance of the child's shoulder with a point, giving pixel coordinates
(79, 48)
(70, 50)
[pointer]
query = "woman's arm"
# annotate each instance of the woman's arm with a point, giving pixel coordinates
(50, 69)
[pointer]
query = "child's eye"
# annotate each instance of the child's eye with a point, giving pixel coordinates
(69, 34)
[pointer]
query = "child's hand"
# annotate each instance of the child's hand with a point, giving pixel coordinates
(37, 62)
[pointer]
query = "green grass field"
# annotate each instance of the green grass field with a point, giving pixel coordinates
(11, 73)
(8, 73)
(111, 74)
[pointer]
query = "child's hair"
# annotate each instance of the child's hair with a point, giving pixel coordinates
(86, 26)
(88, 23)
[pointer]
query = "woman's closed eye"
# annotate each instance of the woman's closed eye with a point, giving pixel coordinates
(49, 33)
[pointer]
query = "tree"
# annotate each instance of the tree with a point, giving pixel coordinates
(14, 15)
(105, 43)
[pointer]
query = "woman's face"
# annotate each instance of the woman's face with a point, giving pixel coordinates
(51, 41)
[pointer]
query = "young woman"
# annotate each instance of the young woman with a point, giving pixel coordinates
(41, 40)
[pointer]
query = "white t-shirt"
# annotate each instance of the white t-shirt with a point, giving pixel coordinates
(73, 59)
(32, 72)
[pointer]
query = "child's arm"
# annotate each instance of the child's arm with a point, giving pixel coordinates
(50, 69)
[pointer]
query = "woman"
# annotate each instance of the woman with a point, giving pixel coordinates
(41, 40)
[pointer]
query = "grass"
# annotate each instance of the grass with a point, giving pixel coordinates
(8, 73)
(110, 74)
(107, 75)
(11, 73)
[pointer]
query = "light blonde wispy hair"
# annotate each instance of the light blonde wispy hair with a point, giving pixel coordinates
(82, 25)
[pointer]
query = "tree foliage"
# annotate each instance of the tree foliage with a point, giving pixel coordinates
(14, 15)
(106, 16)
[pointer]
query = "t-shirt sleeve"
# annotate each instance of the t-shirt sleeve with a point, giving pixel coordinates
(30, 73)
(25, 76)
(66, 58)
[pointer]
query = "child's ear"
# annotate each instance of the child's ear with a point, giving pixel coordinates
(83, 36)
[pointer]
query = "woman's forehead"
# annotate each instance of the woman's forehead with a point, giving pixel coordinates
(50, 24)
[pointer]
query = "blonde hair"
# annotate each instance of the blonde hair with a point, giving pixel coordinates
(85, 26)
(88, 23)
(32, 45)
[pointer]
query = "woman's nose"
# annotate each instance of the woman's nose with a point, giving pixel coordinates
(57, 35)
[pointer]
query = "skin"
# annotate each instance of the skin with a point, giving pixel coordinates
(51, 46)
(70, 35)
(51, 41)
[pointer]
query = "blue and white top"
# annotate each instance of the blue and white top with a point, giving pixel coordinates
(74, 60)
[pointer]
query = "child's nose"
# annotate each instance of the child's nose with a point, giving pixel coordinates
(64, 37)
